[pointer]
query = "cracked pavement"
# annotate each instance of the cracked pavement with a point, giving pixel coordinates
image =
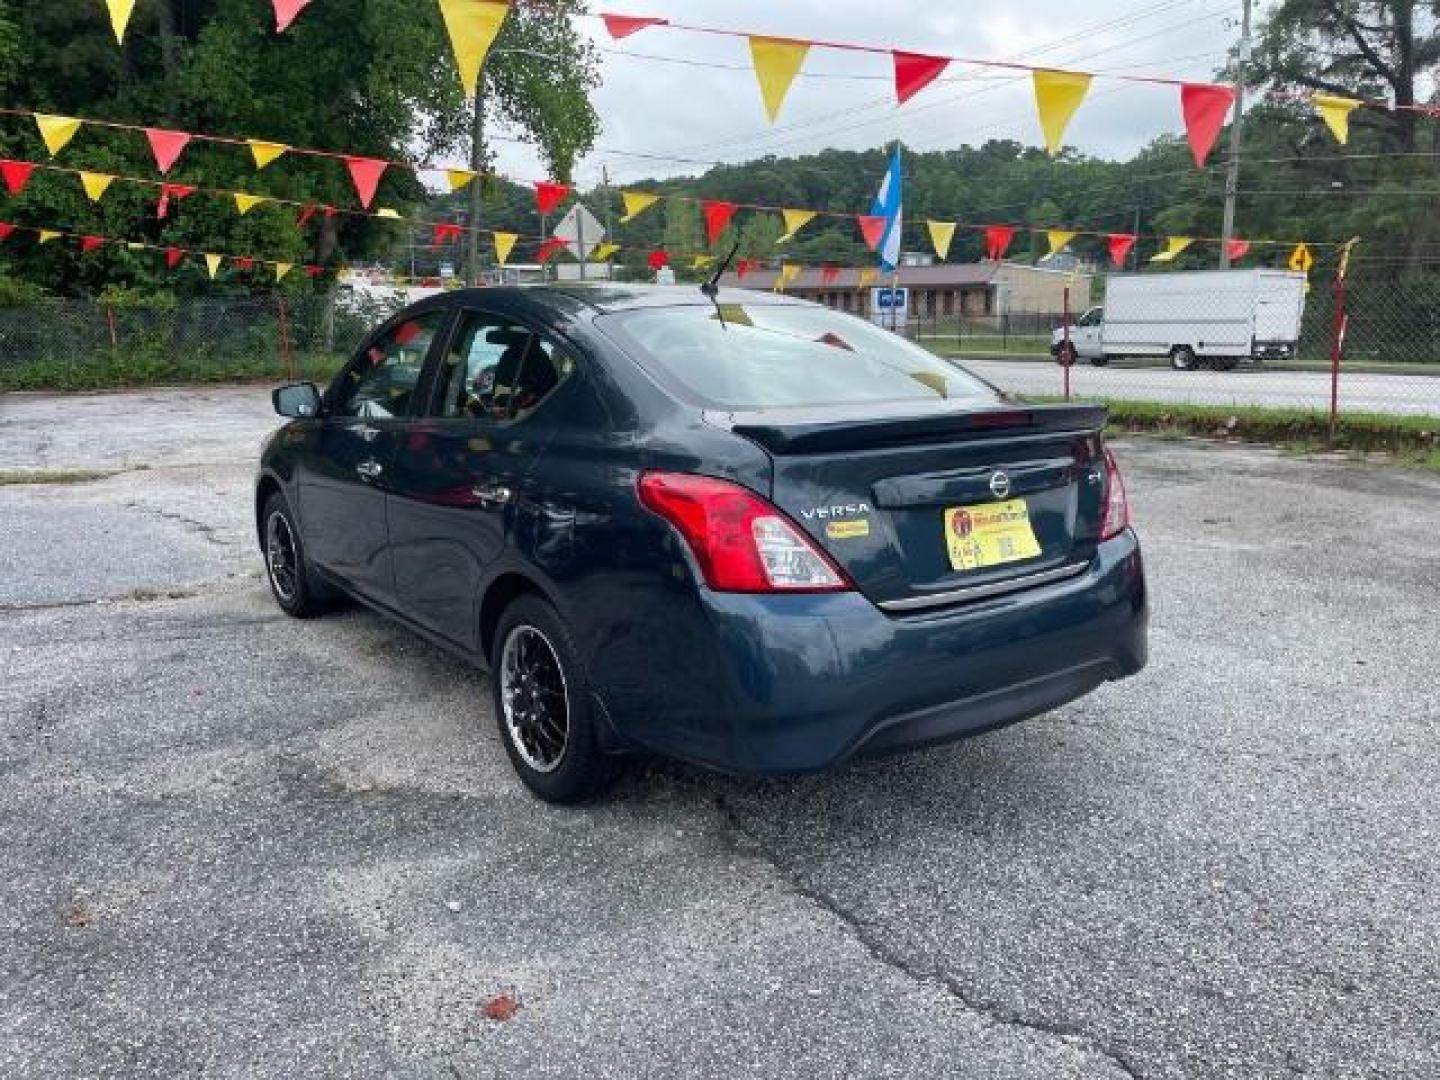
(239, 845)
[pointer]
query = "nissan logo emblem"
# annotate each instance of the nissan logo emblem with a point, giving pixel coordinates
(999, 484)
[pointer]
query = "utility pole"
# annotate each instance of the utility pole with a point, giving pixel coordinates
(477, 166)
(1232, 172)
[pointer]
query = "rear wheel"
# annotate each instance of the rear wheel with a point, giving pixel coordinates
(1182, 358)
(1065, 354)
(542, 706)
(292, 582)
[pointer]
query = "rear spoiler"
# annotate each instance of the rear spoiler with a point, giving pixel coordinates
(807, 431)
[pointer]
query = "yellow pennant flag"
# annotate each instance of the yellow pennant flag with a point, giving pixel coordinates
(245, 203)
(281, 269)
(120, 12)
(504, 244)
(701, 261)
(95, 184)
(57, 131)
(1300, 259)
(1058, 238)
(941, 234)
(388, 212)
(788, 273)
(1174, 245)
(636, 203)
(868, 276)
(473, 26)
(1057, 95)
(46, 235)
(603, 252)
(777, 62)
(134, 247)
(212, 264)
(458, 178)
(265, 152)
(1335, 111)
(795, 220)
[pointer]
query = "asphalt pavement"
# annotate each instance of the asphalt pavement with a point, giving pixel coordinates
(1359, 392)
(240, 845)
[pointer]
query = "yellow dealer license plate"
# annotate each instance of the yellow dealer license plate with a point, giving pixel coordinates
(990, 534)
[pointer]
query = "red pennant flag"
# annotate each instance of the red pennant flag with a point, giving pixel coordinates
(308, 211)
(5, 230)
(658, 258)
(829, 274)
(1237, 248)
(997, 241)
(915, 71)
(314, 271)
(366, 173)
(166, 146)
(16, 174)
(1120, 245)
(444, 233)
(285, 12)
(717, 216)
(622, 26)
(1204, 106)
(329, 211)
(173, 257)
(743, 267)
(872, 228)
(549, 249)
(171, 191)
(243, 262)
(549, 195)
(90, 243)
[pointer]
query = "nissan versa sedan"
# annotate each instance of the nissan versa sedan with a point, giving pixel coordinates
(731, 527)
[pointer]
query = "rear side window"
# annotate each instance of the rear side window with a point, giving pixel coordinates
(764, 356)
(500, 369)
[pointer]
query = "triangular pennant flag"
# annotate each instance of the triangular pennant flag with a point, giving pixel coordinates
(5, 230)
(788, 273)
(245, 203)
(1120, 245)
(281, 269)
(622, 26)
(1204, 105)
(90, 243)
(120, 12)
(366, 173)
(212, 265)
(444, 233)
(16, 175)
(1237, 249)
(636, 203)
(57, 131)
(1335, 111)
(504, 244)
(777, 62)
(1300, 259)
(717, 216)
(941, 234)
(795, 220)
(458, 178)
(173, 255)
(166, 146)
(551, 247)
(265, 152)
(549, 195)
(701, 261)
(867, 277)
(1057, 95)
(131, 246)
(308, 211)
(872, 228)
(389, 212)
(743, 267)
(997, 241)
(1174, 245)
(657, 259)
(915, 71)
(1057, 239)
(95, 184)
(473, 26)
(603, 252)
(48, 235)
(285, 12)
(168, 192)
(314, 271)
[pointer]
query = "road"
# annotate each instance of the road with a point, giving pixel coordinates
(240, 845)
(1374, 393)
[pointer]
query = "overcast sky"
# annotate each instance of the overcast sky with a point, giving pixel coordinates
(676, 110)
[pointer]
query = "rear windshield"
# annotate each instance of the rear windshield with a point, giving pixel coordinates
(766, 356)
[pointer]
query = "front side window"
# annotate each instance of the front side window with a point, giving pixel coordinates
(761, 356)
(1091, 317)
(382, 382)
(498, 368)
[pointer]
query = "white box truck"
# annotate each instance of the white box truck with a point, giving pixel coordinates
(1214, 318)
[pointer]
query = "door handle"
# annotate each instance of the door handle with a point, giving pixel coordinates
(491, 494)
(366, 432)
(370, 468)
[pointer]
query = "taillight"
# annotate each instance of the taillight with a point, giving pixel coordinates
(1117, 506)
(742, 542)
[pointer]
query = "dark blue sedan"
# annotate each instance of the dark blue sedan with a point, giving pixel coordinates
(730, 527)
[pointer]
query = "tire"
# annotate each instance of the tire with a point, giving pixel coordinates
(1065, 354)
(1227, 363)
(534, 669)
(1099, 361)
(1182, 358)
(295, 586)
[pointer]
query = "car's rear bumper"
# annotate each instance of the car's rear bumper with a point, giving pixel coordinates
(786, 684)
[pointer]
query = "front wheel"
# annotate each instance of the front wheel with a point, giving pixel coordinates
(1065, 354)
(543, 707)
(1182, 358)
(292, 582)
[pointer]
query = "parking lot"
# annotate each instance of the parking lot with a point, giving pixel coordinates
(240, 845)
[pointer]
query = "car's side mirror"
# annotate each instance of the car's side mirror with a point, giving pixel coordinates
(300, 400)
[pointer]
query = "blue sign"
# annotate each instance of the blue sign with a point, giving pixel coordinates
(891, 298)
